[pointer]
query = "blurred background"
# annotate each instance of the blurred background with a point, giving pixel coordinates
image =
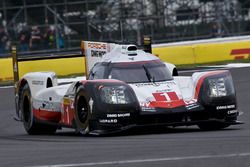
(53, 25)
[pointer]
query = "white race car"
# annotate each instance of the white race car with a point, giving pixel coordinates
(125, 87)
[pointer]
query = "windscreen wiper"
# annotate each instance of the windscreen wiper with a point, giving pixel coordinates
(150, 78)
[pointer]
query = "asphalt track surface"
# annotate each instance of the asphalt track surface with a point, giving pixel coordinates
(178, 147)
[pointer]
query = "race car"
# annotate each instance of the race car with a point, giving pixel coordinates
(125, 87)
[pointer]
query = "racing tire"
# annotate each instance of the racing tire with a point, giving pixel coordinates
(82, 111)
(212, 126)
(30, 125)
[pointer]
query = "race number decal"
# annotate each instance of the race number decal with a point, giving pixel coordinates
(166, 100)
(166, 96)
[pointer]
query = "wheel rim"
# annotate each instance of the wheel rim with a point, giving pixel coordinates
(82, 109)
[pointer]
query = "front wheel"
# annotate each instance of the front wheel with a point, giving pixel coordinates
(30, 125)
(212, 126)
(82, 111)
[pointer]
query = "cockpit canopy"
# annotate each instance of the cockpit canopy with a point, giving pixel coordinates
(132, 72)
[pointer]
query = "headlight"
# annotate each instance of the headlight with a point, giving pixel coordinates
(217, 87)
(115, 95)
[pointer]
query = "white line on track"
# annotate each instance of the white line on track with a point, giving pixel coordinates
(6, 87)
(149, 160)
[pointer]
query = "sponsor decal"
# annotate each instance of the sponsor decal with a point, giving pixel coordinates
(232, 111)
(192, 106)
(118, 115)
(94, 45)
(96, 53)
(240, 53)
(148, 109)
(188, 102)
(37, 82)
(66, 101)
(145, 104)
(163, 90)
(225, 107)
(108, 120)
(91, 102)
(46, 106)
(156, 84)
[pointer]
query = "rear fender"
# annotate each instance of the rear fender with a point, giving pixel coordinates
(38, 81)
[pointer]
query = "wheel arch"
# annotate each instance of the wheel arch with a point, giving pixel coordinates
(22, 83)
(49, 82)
(175, 72)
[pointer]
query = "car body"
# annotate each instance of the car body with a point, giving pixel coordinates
(125, 87)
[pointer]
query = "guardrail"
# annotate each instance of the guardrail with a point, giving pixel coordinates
(180, 53)
(50, 61)
(204, 51)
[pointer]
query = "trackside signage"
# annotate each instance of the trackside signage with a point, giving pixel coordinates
(204, 51)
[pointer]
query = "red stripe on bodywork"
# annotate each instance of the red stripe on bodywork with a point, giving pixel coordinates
(68, 115)
(47, 115)
(165, 104)
(102, 81)
(201, 80)
(240, 51)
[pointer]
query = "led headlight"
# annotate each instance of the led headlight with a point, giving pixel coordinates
(217, 87)
(115, 95)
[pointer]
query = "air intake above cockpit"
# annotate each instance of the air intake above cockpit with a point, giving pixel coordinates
(130, 50)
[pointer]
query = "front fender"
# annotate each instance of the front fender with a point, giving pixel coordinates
(105, 113)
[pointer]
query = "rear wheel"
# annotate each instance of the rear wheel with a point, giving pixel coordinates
(31, 126)
(82, 112)
(212, 126)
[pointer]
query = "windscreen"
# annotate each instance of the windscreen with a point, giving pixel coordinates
(154, 71)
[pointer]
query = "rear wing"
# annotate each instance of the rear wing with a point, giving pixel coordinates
(94, 51)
